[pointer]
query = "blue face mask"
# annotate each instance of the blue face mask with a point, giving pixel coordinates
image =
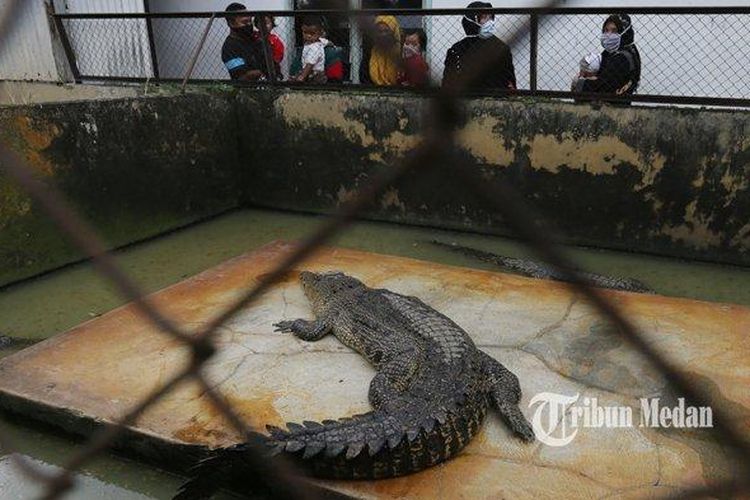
(486, 30)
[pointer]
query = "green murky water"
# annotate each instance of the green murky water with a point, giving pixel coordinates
(43, 307)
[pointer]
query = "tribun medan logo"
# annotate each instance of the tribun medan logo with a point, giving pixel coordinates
(558, 418)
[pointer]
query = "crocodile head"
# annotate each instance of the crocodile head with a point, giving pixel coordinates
(320, 289)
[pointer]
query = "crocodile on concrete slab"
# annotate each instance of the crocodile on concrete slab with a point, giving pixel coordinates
(430, 394)
(538, 270)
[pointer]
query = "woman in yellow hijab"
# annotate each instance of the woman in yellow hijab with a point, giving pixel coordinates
(385, 57)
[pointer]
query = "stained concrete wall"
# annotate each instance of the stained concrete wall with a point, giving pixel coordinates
(134, 168)
(666, 181)
(18, 93)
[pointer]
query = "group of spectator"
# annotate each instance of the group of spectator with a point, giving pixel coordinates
(395, 56)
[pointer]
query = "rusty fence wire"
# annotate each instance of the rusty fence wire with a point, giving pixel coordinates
(689, 55)
(445, 115)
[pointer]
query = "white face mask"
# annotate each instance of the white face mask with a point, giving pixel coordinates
(611, 41)
(410, 50)
(486, 30)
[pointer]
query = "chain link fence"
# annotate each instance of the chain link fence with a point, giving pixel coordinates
(686, 55)
(445, 115)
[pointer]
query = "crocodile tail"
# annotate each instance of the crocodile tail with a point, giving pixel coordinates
(519, 265)
(347, 436)
(377, 444)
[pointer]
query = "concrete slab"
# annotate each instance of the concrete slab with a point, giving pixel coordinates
(548, 336)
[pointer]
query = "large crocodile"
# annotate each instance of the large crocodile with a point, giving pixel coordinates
(541, 271)
(430, 394)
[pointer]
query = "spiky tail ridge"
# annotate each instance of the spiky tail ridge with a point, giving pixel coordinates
(378, 445)
(369, 446)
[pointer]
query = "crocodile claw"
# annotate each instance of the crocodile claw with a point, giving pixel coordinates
(283, 327)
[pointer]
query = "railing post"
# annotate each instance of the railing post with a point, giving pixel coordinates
(151, 43)
(267, 54)
(197, 52)
(534, 51)
(355, 44)
(69, 54)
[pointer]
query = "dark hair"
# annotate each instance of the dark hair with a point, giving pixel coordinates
(312, 21)
(470, 28)
(623, 22)
(257, 20)
(420, 33)
(234, 7)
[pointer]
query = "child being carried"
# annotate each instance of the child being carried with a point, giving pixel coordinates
(313, 53)
(589, 69)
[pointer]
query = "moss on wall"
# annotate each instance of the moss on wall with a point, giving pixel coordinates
(134, 168)
(669, 181)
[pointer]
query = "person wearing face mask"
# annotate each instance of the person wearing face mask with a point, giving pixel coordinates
(498, 72)
(242, 52)
(620, 69)
(385, 57)
(415, 69)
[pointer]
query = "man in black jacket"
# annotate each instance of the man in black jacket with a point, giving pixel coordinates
(620, 71)
(242, 52)
(497, 71)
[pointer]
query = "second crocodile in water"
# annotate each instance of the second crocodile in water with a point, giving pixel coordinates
(430, 394)
(541, 271)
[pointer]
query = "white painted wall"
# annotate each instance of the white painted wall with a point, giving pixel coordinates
(118, 47)
(708, 56)
(27, 53)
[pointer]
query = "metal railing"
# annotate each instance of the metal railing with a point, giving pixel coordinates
(687, 57)
(501, 198)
